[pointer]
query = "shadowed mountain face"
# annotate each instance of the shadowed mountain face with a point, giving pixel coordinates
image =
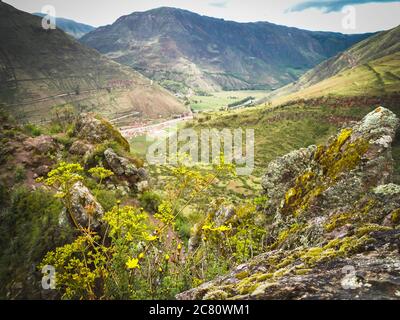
(173, 45)
(73, 28)
(43, 68)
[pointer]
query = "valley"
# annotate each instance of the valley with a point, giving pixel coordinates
(81, 109)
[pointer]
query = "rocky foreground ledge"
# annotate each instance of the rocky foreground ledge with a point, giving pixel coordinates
(336, 223)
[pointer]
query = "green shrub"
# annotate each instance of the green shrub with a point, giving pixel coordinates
(20, 173)
(70, 130)
(115, 134)
(150, 201)
(183, 227)
(4, 195)
(29, 227)
(55, 128)
(65, 140)
(106, 198)
(32, 130)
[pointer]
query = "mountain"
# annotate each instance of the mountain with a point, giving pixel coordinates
(183, 49)
(370, 67)
(73, 28)
(40, 69)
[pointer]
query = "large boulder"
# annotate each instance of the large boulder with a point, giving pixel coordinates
(85, 210)
(373, 274)
(335, 231)
(94, 129)
(124, 168)
(42, 144)
(81, 148)
(318, 182)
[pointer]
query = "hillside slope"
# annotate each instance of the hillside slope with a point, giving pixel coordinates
(41, 68)
(371, 67)
(73, 28)
(176, 46)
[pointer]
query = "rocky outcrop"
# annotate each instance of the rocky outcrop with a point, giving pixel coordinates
(372, 274)
(31, 156)
(335, 232)
(91, 132)
(42, 144)
(125, 169)
(85, 210)
(93, 129)
(81, 148)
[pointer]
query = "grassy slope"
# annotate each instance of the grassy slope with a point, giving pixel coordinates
(221, 99)
(374, 78)
(378, 49)
(277, 132)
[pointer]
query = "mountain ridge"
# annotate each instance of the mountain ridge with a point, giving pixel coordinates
(205, 53)
(69, 26)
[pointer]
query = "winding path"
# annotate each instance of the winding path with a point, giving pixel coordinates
(130, 132)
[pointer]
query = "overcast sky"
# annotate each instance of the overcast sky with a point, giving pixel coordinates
(324, 15)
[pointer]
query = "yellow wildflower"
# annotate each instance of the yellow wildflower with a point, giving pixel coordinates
(151, 238)
(132, 264)
(129, 236)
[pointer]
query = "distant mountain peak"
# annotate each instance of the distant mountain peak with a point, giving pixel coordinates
(183, 50)
(73, 28)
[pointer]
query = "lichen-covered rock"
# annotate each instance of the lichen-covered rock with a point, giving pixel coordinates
(143, 186)
(81, 148)
(386, 189)
(85, 210)
(370, 275)
(282, 172)
(335, 232)
(124, 168)
(332, 181)
(42, 170)
(97, 130)
(42, 144)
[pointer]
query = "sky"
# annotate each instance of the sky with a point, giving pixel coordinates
(346, 16)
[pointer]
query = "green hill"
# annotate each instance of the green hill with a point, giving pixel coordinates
(371, 67)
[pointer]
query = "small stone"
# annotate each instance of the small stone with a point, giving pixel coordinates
(388, 189)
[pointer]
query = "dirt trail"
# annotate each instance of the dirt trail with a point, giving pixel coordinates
(130, 132)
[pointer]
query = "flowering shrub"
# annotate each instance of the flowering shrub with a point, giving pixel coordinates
(141, 256)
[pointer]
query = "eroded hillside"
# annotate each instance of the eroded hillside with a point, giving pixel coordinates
(40, 69)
